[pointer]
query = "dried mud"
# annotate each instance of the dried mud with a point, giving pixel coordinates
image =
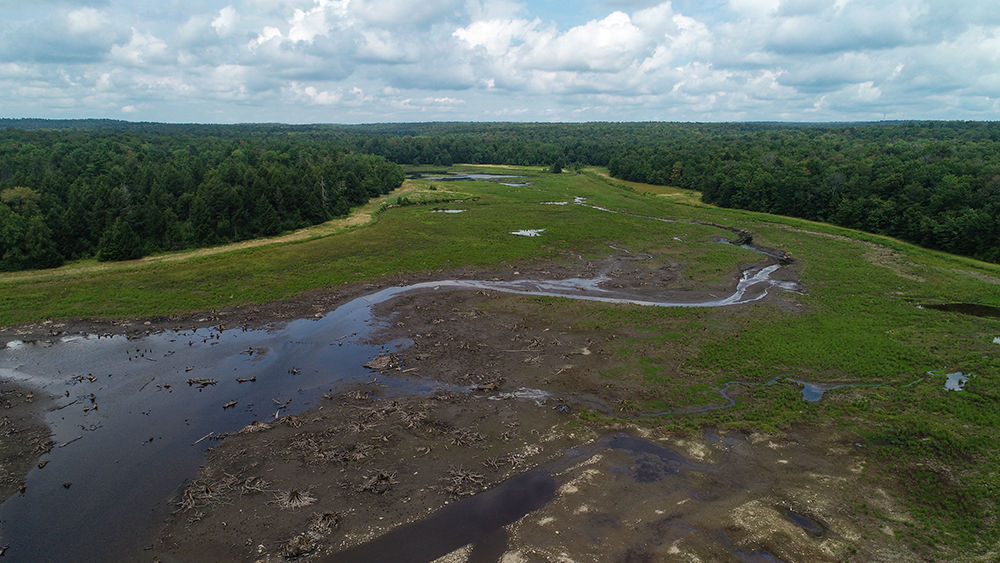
(326, 484)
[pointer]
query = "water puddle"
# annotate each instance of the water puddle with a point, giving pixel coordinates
(134, 417)
(515, 184)
(475, 520)
(996, 340)
(965, 309)
(479, 520)
(956, 381)
(470, 177)
(808, 525)
(448, 211)
(813, 392)
(528, 232)
(632, 495)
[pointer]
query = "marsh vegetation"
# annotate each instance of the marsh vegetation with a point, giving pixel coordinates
(916, 462)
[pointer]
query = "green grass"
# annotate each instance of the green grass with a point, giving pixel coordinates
(856, 321)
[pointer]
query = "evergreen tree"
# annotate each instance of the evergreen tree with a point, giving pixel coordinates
(120, 242)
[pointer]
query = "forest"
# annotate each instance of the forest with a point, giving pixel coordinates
(116, 190)
(66, 195)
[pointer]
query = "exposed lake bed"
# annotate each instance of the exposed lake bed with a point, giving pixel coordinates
(468, 407)
(318, 459)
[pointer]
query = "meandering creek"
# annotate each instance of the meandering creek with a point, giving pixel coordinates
(134, 417)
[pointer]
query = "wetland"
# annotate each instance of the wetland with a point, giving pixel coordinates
(622, 387)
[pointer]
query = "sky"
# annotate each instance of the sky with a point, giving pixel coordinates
(365, 61)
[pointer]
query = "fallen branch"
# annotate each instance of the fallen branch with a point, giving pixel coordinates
(71, 441)
(67, 404)
(206, 436)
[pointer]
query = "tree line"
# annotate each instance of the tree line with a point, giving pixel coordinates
(936, 184)
(933, 184)
(71, 194)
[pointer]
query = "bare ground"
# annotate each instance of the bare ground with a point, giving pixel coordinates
(362, 464)
(23, 435)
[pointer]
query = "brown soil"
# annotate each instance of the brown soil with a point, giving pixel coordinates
(636, 277)
(347, 471)
(363, 463)
(24, 437)
(357, 467)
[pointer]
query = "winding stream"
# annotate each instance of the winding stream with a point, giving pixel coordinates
(134, 417)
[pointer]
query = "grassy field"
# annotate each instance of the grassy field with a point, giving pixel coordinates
(857, 320)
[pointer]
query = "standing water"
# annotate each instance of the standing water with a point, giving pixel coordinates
(134, 417)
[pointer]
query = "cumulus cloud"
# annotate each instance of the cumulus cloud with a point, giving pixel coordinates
(375, 60)
(226, 21)
(141, 49)
(86, 20)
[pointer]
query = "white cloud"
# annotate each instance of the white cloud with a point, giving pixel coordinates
(306, 25)
(266, 35)
(496, 36)
(85, 20)
(467, 59)
(606, 44)
(401, 12)
(141, 49)
(868, 92)
(754, 8)
(381, 45)
(226, 21)
(315, 96)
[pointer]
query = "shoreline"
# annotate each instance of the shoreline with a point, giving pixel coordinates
(25, 437)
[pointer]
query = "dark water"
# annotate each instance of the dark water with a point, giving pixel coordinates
(479, 520)
(136, 448)
(128, 424)
(125, 441)
(966, 309)
(476, 520)
(468, 177)
(810, 526)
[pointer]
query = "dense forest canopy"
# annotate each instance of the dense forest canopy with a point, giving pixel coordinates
(936, 184)
(120, 195)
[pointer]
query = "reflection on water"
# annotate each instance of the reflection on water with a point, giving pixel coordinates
(469, 177)
(956, 381)
(134, 416)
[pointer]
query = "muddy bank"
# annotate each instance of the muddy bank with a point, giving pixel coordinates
(625, 273)
(366, 477)
(353, 468)
(143, 382)
(478, 478)
(24, 437)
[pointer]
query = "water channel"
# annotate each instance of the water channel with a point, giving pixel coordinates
(134, 417)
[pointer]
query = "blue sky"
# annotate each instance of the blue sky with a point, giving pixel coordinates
(359, 61)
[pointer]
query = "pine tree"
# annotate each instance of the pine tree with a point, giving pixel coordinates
(120, 242)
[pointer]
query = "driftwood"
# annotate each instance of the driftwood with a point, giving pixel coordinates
(201, 382)
(209, 435)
